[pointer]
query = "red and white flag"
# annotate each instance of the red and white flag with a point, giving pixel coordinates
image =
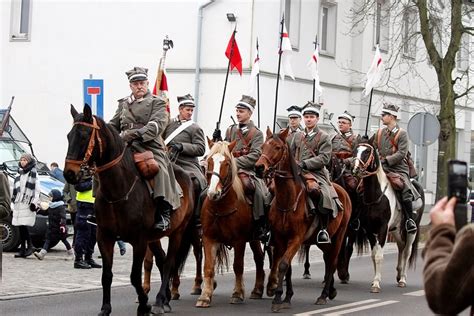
(313, 65)
(375, 72)
(286, 52)
(163, 89)
(233, 54)
(253, 76)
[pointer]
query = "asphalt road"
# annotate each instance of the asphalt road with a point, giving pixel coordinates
(353, 298)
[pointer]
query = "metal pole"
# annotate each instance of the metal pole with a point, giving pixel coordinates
(258, 89)
(368, 112)
(422, 136)
(314, 80)
(278, 74)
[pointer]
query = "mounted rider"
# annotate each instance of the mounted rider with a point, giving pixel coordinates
(294, 122)
(141, 119)
(343, 147)
(247, 151)
(312, 150)
(392, 145)
(185, 141)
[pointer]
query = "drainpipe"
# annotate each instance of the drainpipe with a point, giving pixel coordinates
(197, 75)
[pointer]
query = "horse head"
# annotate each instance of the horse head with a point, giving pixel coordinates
(367, 160)
(274, 151)
(221, 170)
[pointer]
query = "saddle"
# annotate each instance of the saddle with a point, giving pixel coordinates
(312, 185)
(146, 164)
(248, 185)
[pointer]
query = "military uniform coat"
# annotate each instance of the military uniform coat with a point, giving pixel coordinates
(316, 155)
(395, 157)
(291, 134)
(247, 162)
(192, 139)
(150, 111)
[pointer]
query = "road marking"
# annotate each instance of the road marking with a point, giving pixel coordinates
(416, 293)
(361, 308)
(319, 311)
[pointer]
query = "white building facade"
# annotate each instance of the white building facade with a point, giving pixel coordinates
(50, 46)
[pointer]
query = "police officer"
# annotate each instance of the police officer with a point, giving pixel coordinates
(391, 142)
(185, 141)
(247, 151)
(141, 118)
(312, 149)
(294, 122)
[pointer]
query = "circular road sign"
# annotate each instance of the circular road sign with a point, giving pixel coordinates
(423, 128)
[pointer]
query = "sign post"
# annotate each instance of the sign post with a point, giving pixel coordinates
(94, 95)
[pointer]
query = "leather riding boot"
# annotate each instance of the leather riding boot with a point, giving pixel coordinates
(261, 229)
(162, 215)
(410, 224)
(323, 235)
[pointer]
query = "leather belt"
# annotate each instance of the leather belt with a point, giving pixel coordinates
(127, 126)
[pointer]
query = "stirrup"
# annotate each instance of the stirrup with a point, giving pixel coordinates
(163, 225)
(411, 223)
(323, 237)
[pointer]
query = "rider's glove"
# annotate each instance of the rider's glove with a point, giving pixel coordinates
(130, 135)
(302, 165)
(216, 136)
(178, 147)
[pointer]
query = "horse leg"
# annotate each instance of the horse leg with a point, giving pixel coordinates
(306, 274)
(139, 250)
(403, 257)
(289, 289)
(175, 285)
(330, 261)
(377, 260)
(272, 284)
(258, 258)
(210, 251)
(197, 249)
(106, 247)
(239, 289)
(147, 267)
(285, 262)
(344, 258)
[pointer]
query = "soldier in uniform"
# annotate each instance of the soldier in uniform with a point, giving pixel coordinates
(294, 122)
(141, 118)
(247, 151)
(392, 145)
(185, 141)
(312, 150)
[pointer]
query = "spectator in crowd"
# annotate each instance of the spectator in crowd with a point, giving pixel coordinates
(449, 262)
(5, 196)
(56, 172)
(122, 247)
(69, 193)
(26, 193)
(57, 229)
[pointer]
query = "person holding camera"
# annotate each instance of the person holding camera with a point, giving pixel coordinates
(448, 273)
(25, 198)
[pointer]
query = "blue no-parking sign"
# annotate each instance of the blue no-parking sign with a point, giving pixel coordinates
(94, 95)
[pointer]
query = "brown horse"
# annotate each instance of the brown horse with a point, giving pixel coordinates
(291, 226)
(124, 207)
(226, 220)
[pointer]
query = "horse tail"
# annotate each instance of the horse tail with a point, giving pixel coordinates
(419, 214)
(222, 257)
(361, 240)
(184, 247)
(304, 249)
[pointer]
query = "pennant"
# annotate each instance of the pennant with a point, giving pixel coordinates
(375, 72)
(233, 54)
(313, 66)
(286, 52)
(163, 90)
(253, 75)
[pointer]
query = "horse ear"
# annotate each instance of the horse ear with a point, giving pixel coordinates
(210, 143)
(232, 145)
(74, 112)
(87, 113)
(269, 132)
(284, 134)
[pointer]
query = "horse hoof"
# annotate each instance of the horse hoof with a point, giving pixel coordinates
(157, 310)
(175, 296)
(236, 300)
(402, 284)
(104, 313)
(270, 292)
(276, 308)
(306, 276)
(332, 294)
(345, 281)
(398, 279)
(374, 289)
(203, 302)
(196, 291)
(167, 308)
(286, 305)
(321, 301)
(256, 295)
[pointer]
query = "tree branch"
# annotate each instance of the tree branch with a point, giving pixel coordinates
(457, 96)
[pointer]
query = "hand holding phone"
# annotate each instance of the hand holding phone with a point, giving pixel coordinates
(457, 187)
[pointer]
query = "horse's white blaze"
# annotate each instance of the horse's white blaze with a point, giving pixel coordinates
(217, 158)
(360, 150)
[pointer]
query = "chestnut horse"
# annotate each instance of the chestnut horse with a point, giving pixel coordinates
(124, 207)
(226, 220)
(290, 224)
(380, 213)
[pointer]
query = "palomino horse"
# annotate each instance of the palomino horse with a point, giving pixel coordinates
(290, 224)
(381, 213)
(226, 220)
(124, 207)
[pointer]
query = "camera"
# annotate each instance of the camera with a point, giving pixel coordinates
(457, 187)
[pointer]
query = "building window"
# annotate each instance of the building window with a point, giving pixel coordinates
(20, 20)
(292, 21)
(462, 61)
(408, 32)
(382, 18)
(327, 27)
(281, 122)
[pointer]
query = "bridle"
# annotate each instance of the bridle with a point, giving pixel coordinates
(95, 136)
(225, 182)
(274, 169)
(364, 165)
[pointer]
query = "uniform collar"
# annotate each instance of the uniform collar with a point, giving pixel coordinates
(176, 119)
(132, 98)
(310, 133)
(394, 130)
(347, 134)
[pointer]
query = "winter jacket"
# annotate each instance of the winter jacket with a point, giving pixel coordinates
(22, 214)
(56, 218)
(5, 195)
(449, 269)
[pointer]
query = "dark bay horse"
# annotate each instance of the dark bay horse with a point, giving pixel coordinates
(381, 213)
(291, 226)
(226, 219)
(124, 207)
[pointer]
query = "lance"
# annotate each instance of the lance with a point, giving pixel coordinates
(278, 73)
(258, 87)
(226, 78)
(314, 80)
(6, 117)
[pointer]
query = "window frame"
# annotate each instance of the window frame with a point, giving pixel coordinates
(18, 17)
(382, 19)
(331, 6)
(290, 16)
(409, 39)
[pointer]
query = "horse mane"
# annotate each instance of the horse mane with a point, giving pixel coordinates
(222, 148)
(294, 166)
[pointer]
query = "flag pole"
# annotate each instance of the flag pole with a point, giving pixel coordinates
(226, 78)
(368, 113)
(278, 73)
(258, 90)
(314, 80)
